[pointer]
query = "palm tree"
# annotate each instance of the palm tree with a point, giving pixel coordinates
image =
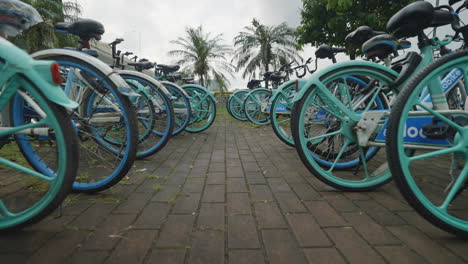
(42, 35)
(204, 56)
(264, 48)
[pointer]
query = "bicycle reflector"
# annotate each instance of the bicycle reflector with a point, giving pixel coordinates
(56, 76)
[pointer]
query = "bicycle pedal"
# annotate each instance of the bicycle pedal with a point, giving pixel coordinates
(436, 130)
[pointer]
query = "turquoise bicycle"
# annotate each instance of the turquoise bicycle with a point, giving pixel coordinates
(44, 129)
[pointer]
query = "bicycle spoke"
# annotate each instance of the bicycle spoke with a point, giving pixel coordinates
(4, 211)
(324, 136)
(441, 117)
(434, 153)
(346, 144)
(21, 168)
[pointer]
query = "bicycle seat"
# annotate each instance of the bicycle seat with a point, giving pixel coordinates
(277, 76)
(191, 79)
(168, 68)
(411, 20)
(142, 65)
(252, 84)
(267, 75)
(382, 46)
(325, 51)
(86, 29)
(361, 35)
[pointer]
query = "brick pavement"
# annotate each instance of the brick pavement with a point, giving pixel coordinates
(233, 194)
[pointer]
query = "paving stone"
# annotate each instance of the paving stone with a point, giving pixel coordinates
(399, 254)
(177, 178)
(268, 215)
(187, 203)
(325, 215)
(305, 192)
(83, 256)
(307, 231)
(260, 193)
(166, 193)
(422, 224)
(134, 203)
(289, 203)
(250, 166)
(238, 203)
(323, 255)
(390, 202)
(207, 247)
(278, 185)
(281, 247)
(245, 256)
(370, 230)
(176, 232)
(66, 241)
(153, 216)
(93, 215)
(214, 194)
(255, 177)
(422, 245)
(370, 205)
(387, 218)
(356, 252)
(211, 216)
(134, 247)
(242, 232)
(236, 185)
(216, 178)
(217, 166)
(109, 232)
(24, 241)
(194, 185)
(169, 256)
(341, 203)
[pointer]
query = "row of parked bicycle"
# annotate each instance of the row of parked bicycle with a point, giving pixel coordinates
(71, 122)
(343, 118)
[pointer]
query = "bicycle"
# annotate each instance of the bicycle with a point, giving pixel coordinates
(45, 131)
(255, 104)
(105, 121)
(352, 132)
(436, 194)
(202, 101)
(154, 108)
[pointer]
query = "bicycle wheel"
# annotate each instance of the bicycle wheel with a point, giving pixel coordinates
(325, 135)
(106, 124)
(280, 114)
(433, 179)
(255, 106)
(158, 129)
(203, 110)
(236, 105)
(28, 196)
(182, 108)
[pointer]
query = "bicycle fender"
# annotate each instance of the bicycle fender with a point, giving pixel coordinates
(111, 74)
(177, 87)
(148, 79)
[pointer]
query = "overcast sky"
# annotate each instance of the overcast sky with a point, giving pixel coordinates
(158, 22)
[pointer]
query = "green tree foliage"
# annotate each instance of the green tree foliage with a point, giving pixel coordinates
(262, 48)
(43, 36)
(329, 21)
(204, 56)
